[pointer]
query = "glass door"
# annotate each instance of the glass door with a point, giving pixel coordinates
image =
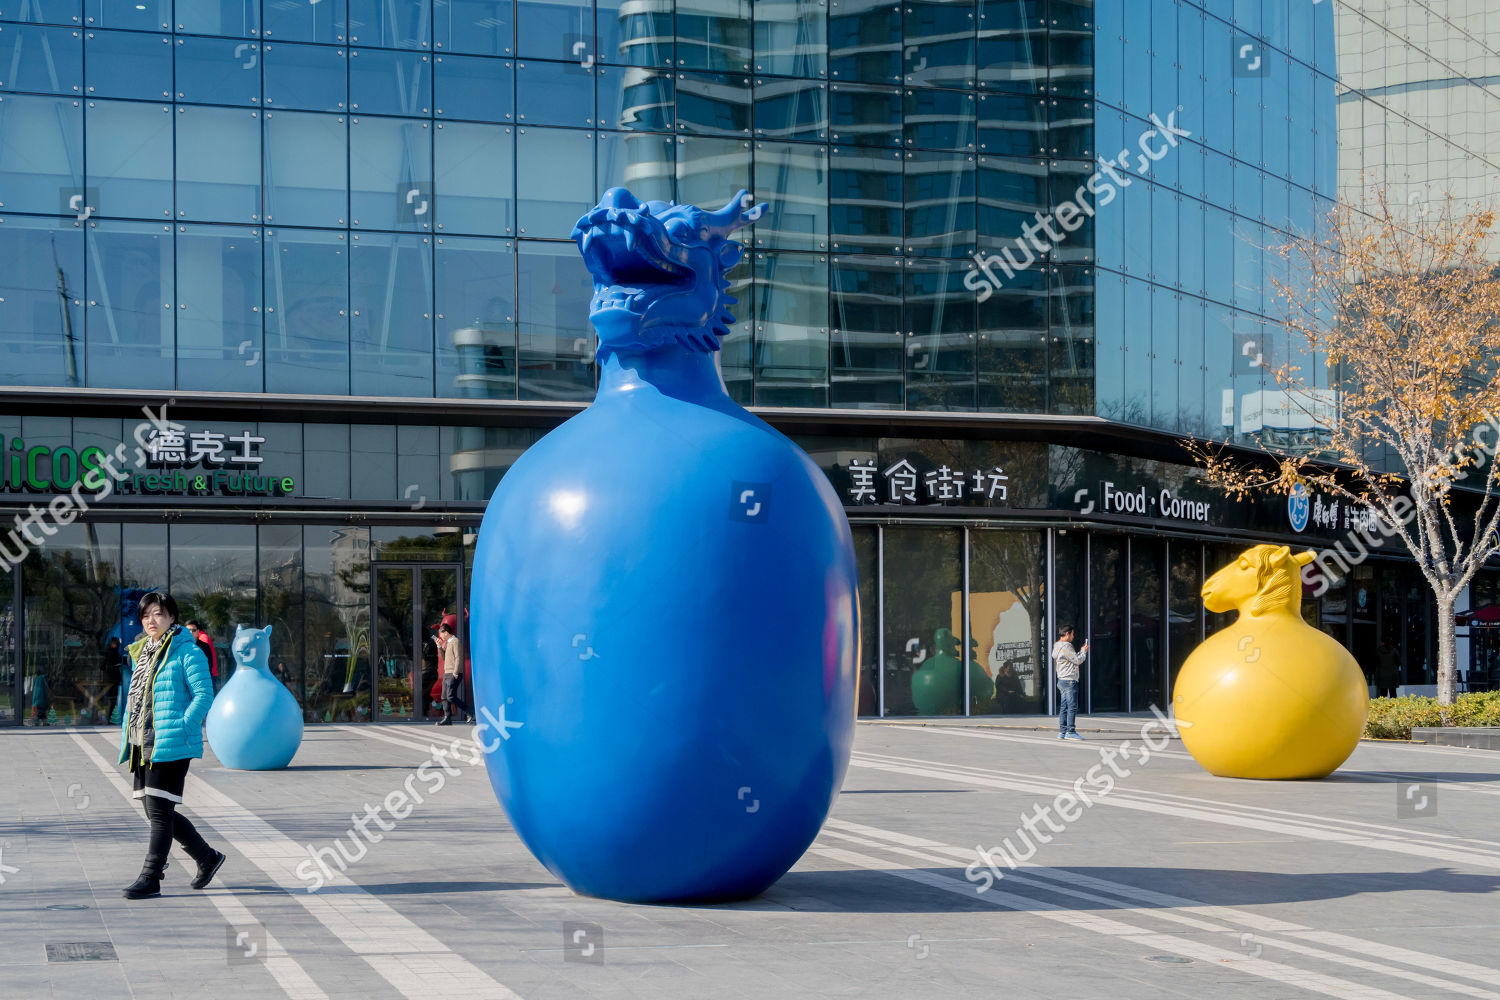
(411, 601)
(10, 694)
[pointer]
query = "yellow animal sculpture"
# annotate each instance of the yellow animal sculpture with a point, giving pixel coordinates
(1270, 696)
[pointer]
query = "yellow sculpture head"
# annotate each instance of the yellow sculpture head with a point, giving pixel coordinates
(1263, 578)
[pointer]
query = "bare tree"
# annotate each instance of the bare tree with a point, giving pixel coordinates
(1401, 307)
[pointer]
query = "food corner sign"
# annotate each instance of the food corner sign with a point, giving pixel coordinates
(172, 462)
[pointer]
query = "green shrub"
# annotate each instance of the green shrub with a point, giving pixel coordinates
(1394, 718)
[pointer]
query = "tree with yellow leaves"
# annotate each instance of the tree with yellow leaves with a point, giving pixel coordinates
(1401, 307)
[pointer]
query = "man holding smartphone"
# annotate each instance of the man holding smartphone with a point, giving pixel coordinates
(1065, 664)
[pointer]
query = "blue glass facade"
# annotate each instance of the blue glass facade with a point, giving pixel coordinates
(1025, 214)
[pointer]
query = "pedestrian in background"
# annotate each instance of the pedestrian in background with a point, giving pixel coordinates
(1065, 663)
(168, 697)
(1387, 670)
(206, 643)
(453, 676)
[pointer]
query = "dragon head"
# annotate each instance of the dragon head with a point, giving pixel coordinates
(659, 270)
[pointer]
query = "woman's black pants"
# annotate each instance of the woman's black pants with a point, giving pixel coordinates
(167, 825)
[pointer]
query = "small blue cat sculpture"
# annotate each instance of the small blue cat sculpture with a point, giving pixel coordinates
(255, 723)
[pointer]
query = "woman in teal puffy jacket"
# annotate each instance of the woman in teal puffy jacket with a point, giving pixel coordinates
(170, 689)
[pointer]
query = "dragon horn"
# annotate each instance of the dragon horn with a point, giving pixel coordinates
(738, 213)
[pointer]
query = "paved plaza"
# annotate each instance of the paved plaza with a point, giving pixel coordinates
(1382, 881)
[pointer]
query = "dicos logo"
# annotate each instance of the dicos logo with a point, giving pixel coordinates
(1298, 506)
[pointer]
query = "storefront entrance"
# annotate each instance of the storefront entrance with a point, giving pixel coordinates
(409, 601)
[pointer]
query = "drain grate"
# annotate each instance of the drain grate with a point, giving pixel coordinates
(1168, 959)
(81, 951)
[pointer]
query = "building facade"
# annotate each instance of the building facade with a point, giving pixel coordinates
(1014, 251)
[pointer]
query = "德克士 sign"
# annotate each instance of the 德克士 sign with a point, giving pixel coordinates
(173, 463)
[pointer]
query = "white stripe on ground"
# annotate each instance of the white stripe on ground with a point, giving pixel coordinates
(1285, 974)
(1182, 910)
(1305, 825)
(467, 744)
(417, 964)
(289, 975)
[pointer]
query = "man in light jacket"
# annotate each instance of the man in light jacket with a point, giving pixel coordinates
(1065, 664)
(453, 676)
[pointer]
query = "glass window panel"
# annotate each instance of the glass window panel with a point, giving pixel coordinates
(41, 154)
(866, 542)
(556, 342)
(213, 579)
(1135, 92)
(736, 350)
(130, 159)
(865, 115)
(791, 109)
(307, 181)
(308, 77)
(641, 162)
(1105, 668)
(307, 315)
(388, 25)
(41, 302)
(635, 98)
(940, 320)
(939, 203)
(305, 21)
(556, 29)
(128, 64)
(389, 159)
(1191, 399)
(129, 319)
(1070, 132)
(1070, 48)
(1190, 166)
(1012, 45)
(1013, 124)
(1164, 71)
(549, 93)
(865, 200)
(714, 34)
(1012, 352)
(218, 71)
(1184, 604)
(923, 624)
(710, 170)
(1190, 224)
(474, 178)
(481, 27)
(218, 317)
(554, 180)
(634, 35)
(145, 15)
(1072, 347)
(325, 452)
(280, 562)
(42, 11)
(240, 18)
(1109, 354)
(1138, 387)
(791, 38)
(1011, 192)
(1068, 180)
(792, 180)
(475, 88)
(1163, 265)
(1190, 58)
(939, 43)
(390, 83)
(218, 164)
(939, 119)
(867, 364)
(713, 104)
(1136, 224)
(1162, 359)
(1109, 54)
(1147, 618)
(476, 318)
(791, 329)
(41, 60)
(1008, 620)
(390, 294)
(864, 41)
(336, 582)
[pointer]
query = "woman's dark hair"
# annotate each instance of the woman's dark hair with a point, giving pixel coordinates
(1063, 630)
(163, 600)
(445, 628)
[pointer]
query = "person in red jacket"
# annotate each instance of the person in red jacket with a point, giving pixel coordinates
(206, 644)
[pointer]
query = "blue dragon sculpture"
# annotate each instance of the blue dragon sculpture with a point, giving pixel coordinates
(659, 269)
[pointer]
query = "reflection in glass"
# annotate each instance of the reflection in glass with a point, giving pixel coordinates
(554, 180)
(792, 180)
(306, 22)
(866, 352)
(218, 164)
(1071, 350)
(476, 318)
(939, 205)
(636, 160)
(865, 115)
(217, 71)
(554, 93)
(864, 202)
(940, 320)
(129, 320)
(556, 341)
(336, 583)
(713, 103)
(633, 34)
(390, 173)
(714, 34)
(307, 182)
(281, 605)
(306, 77)
(394, 26)
(128, 64)
(41, 141)
(1184, 606)
(1107, 589)
(635, 98)
(939, 38)
(866, 553)
(555, 29)
(1013, 124)
(214, 580)
(707, 168)
(41, 286)
(791, 329)
(307, 321)
(481, 27)
(1012, 355)
(791, 39)
(1147, 605)
(864, 41)
(41, 60)
(791, 109)
(1012, 45)
(474, 173)
(481, 90)
(390, 83)
(923, 622)
(939, 119)
(390, 292)
(129, 159)
(218, 317)
(1008, 621)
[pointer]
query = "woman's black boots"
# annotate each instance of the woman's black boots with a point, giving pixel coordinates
(148, 883)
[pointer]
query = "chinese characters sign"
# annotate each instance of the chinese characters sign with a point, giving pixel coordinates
(901, 483)
(171, 448)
